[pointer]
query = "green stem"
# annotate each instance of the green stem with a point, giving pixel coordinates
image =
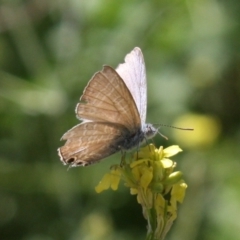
(154, 232)
(152, 222)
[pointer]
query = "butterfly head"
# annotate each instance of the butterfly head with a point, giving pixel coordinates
(149, 130)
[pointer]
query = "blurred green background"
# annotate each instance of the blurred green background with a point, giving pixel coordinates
(48, 52)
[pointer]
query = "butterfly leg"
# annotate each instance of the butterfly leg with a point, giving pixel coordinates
(123, 162)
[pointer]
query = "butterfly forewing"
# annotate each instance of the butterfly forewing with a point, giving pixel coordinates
(107, 99)
(133, 73)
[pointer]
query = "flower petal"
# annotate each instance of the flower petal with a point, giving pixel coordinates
(167, 163)
(170, 151)
(178, 191)
(104, 184)
(146, 178)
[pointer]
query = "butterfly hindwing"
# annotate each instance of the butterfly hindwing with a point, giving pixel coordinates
(90, 142)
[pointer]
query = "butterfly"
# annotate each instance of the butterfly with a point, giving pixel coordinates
(112, 109)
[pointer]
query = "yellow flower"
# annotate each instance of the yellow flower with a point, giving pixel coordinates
(171, 151)
(150, 175)
(111, 179)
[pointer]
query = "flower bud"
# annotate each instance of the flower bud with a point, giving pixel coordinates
(173, 178)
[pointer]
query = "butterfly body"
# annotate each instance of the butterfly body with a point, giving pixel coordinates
(113, 112)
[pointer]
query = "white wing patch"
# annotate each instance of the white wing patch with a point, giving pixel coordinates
(133, 73)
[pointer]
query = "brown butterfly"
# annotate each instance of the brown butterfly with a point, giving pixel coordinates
(113, 113)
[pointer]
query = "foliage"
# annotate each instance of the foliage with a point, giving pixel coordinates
(49, 51)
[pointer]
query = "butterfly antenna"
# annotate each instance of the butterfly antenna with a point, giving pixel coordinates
(179, 128)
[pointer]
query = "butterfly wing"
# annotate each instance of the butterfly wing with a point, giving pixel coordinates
(90, 142)
(133, 73)
(109, 115)
(106, 98)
